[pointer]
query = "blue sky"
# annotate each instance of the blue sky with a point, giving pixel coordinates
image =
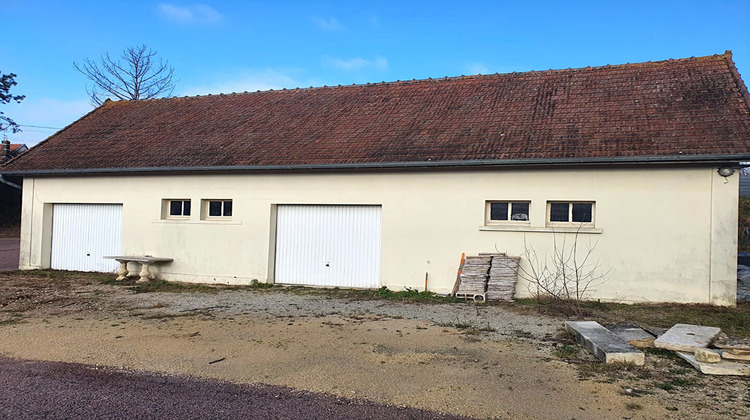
(227, 46)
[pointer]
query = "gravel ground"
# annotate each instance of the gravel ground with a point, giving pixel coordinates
(481, 361)
(47, 390)
(498, 322)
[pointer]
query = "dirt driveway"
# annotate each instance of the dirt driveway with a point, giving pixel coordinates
(479, 361)
(9, 253)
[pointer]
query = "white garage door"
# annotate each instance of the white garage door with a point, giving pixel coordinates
(84, 233)
(328, 245)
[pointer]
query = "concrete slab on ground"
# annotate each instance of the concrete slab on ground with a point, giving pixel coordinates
(724, 367)
(605, 345)
(635, 336)
(687, 338)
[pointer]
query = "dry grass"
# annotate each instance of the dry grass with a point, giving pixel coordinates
(733, 321)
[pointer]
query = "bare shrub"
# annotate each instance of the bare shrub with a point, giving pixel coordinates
(569, 274)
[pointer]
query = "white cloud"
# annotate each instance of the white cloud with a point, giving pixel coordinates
(328, 24)
(477, 68)
(249, 81)
(194, 14)
(41, 113)
(357, 63)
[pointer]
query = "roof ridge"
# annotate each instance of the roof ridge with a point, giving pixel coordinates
(447, 78)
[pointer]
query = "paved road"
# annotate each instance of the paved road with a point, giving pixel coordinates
(47, 390)
(9, 253)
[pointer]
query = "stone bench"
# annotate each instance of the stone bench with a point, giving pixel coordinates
(145, 261)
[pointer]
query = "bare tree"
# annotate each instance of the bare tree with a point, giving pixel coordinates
(7, 81)
(136, 75)
(568, 275)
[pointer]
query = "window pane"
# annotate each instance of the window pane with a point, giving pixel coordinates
(498, 211)
(186, 208)
(214, 208)
(175, 208)
(519, 211)
(227, 208)
(582, 212)
(558, 212)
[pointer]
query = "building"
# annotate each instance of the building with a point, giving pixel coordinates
(388, 184)
(9, 150)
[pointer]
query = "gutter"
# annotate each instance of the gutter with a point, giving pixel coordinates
(6, 182)
(487, 163)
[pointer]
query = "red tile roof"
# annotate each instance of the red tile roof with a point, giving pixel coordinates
(694, 107)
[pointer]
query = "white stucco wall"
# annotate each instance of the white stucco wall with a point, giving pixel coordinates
(664, 234)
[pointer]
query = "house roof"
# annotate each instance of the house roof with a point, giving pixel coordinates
(694, 108)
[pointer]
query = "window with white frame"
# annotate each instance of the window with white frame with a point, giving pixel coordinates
(498, 212)
(176, 209)
(570, 213)
(217, 209)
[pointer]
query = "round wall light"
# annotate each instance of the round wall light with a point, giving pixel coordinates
(726, 171)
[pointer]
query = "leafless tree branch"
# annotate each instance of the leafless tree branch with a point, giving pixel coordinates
(135, 75)
(569, 274)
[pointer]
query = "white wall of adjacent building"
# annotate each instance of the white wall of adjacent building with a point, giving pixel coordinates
(662, 233)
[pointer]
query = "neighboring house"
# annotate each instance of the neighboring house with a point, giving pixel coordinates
(8, 150)
(10, 189)
(744, 184)
(384, 184)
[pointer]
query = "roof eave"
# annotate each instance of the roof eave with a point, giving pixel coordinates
(652, 160)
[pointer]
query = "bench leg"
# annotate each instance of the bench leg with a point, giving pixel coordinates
(145, 273)
(122, 272)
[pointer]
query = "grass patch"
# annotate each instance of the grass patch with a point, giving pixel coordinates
(255, 284)
(674, 384)
(172, 287)
(566, 351)
(468, 328)
(61, 275)
(633, 406)
(734, 321)
(14, 319)
(413, 295)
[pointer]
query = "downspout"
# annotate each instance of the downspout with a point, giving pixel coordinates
(6, 182)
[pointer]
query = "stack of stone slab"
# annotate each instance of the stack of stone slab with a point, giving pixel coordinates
(736, 349)
(503, 276)
(691, 343)
(473, 279)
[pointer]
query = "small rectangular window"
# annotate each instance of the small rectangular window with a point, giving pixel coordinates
(217, 209)
(176, 209)
(498, 211)
(582, 212)
(507, 212)
(561, 213)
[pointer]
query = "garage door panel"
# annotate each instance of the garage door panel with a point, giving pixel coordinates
(82, 234)
(328, 245)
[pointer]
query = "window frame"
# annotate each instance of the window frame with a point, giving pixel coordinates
(167, 212)
(206, 208)
(488, 221)
(570, 222)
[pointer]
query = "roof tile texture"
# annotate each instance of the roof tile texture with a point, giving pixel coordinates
(695, 106)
